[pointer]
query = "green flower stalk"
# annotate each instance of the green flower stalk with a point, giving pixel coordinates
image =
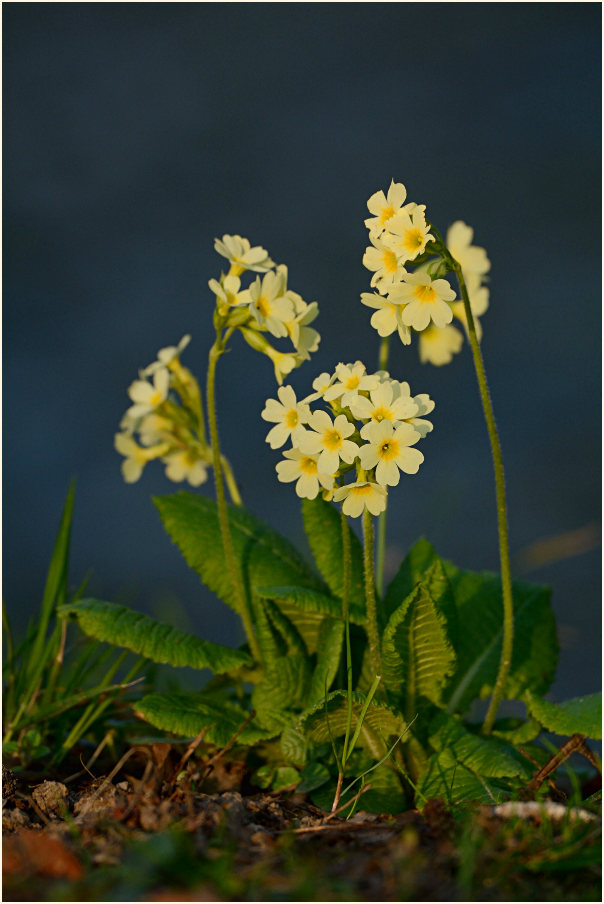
(373, 630)
(408, 258)
(243, 607)
(502, 525)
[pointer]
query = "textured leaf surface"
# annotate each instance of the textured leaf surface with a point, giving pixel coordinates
(323, 526)
(488, 757)
(447, 779)
(187, 714)
(468, 767)
(329, 653)
(478, 600)
(516, 731)
(381, 722)
(159, 642)
(417, 657)
(284, 687)
(309, 600)
(581, 715)
(264, 556)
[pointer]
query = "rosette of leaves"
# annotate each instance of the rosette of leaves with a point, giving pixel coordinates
(441, 635)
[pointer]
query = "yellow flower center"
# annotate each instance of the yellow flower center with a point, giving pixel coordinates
(413, 240)
(390, 262)
(332, 440)
(386, 213)
(363, 490)
(381, 414)
(388, 449)
(155, 398)
(263, 306)
(352, 382)
(291, 418)
(425, 293)
(308, 465)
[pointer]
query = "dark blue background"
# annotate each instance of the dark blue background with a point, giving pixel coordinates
(135, 133)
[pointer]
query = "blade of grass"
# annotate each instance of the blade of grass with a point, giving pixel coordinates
(366, 705)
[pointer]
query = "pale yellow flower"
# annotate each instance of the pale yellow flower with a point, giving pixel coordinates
(425, 300)
(351, 379)
(147, 396)
(388, 450)
(185, 465)
(360, 496)
(473, 259)
(407, 234)
(437, 346)
(242, 256)
(387, 317)
(303, 468)
(383, 207)
(288, 415)
(385, 263)
(328, 438)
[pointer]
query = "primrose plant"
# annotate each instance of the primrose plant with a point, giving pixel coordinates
(340, 678)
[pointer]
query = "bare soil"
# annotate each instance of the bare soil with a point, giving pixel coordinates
(153, 828)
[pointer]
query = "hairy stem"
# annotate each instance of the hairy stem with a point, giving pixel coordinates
(223, 518)
(346, 562)
(381, 539)
(373, 633)
(504, 552)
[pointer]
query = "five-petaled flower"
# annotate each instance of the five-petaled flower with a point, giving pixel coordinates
(147, 396)
(329, 438)
(383, 207)
(288, 415)
(388, 450)
(303, 468)
(361, 495)
(425, 300)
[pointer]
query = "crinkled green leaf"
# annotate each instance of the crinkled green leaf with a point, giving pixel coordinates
(381, 723)
(329, 653)
(479, 604)
(159, 642)
(284, 687)
(265, 558)
(581, 715)
(295, 746)
(313, 776)
(516, 731)
(309, 600)
(417, 657)
(449, 780)
(468, 767)
(489, 757)
(323, 526)
(285, 777)
(187, 714)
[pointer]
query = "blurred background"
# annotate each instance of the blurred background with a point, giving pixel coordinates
(134, 133)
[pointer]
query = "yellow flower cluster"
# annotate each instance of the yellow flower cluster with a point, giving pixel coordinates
(167, 416)
(419, 299)
(265, 306)
(373, 422)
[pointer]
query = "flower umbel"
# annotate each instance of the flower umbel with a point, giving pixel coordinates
(369, 431)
